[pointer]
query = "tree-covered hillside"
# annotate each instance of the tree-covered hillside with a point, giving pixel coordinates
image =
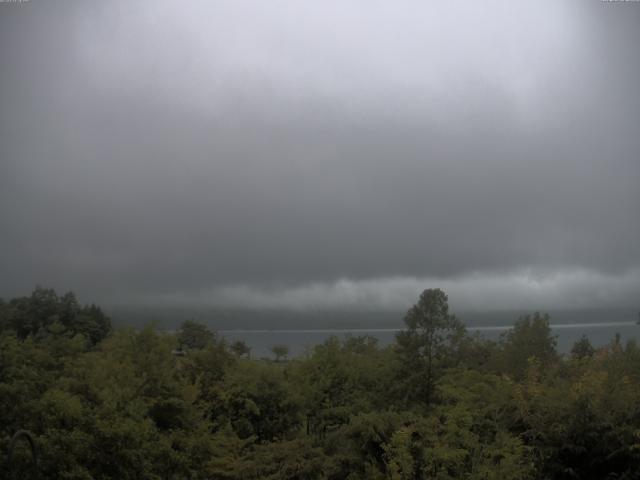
(437, 404)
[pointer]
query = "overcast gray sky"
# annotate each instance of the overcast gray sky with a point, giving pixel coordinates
(325, 154)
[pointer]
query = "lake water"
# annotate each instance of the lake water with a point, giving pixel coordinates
(299, 341)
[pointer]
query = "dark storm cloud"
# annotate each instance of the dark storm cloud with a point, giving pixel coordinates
(284, 153)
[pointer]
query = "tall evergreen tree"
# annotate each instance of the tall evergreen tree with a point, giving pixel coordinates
(428, 344)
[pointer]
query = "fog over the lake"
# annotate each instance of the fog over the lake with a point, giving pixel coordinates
(323, 154)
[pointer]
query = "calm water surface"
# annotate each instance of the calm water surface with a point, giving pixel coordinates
(300, 341)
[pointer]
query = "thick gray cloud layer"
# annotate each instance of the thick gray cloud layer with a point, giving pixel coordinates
(216, 151)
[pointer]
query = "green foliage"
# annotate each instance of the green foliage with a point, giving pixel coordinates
(582, 348)
(257, 401)
(446, 447)
(281, 352)
(343, 378)
(439, 404)
(37, 314)
(288, 460)
(584, 424)
(240, 348)
(529, 338)
(428, 345)
(194, 335)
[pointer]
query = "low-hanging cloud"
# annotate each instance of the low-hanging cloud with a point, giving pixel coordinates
(320, 154)
(521, 290)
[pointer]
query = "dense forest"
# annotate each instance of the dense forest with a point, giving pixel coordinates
(437, 404)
